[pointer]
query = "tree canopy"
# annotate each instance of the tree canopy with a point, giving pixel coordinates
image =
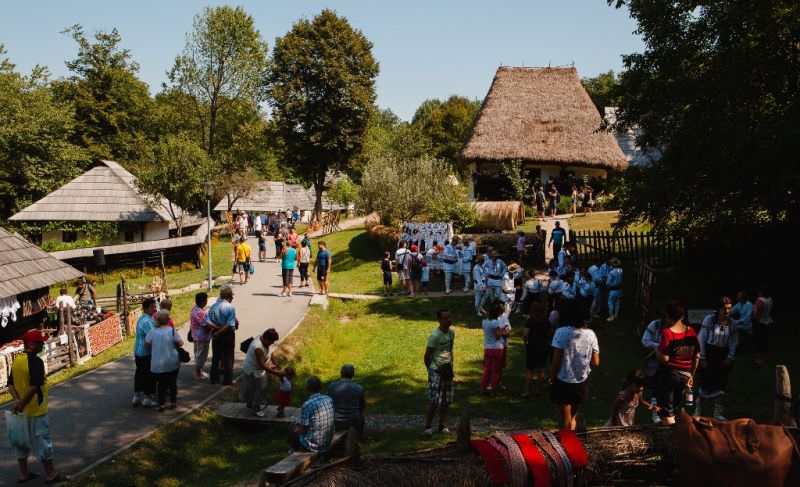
(603, 89)
(447, 125)
(717, 89)
(322, 91)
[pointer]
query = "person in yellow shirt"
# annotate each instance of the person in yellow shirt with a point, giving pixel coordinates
(29, 390)
(243, 261)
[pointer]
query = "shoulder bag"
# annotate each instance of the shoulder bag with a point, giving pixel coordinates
(183, 355)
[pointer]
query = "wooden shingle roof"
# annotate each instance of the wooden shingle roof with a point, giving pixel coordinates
(25, 267)
(278, 196)
(107, 192)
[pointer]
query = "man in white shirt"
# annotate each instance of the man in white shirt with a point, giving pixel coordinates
(403, 258)
(64, 300)
(478, 274)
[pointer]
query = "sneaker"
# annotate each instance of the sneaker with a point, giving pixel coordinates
(656, 418)
(262, 413)
(609, 319)
(136, 401)
(444, 430)
(429, 431)
(148, 403)
(283, 295)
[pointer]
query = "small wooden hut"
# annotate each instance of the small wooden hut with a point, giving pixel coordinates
(544, 118)
(26, 274)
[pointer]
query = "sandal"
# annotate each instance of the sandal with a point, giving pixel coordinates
(31, 476)
(57, 479)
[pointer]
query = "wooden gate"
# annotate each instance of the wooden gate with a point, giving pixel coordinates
(645, 278)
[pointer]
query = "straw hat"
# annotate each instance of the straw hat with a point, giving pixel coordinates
(513, 268)
(615, 262)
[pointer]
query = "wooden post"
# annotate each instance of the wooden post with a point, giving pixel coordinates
(70, 344)
(60, 311)
(783, 397)
(123, 308)
(164, 287)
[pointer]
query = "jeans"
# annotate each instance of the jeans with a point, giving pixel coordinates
(222, 349)
(200, 354)
(167, 383)
(143, 378)
(614, 303)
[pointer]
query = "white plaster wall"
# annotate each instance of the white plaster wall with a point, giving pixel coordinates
(156, 231)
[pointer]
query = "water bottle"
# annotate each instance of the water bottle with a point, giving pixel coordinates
(688, 397)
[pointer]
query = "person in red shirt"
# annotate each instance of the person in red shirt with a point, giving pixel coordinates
(679, 353)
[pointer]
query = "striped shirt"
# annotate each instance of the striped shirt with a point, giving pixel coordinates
(713, 332)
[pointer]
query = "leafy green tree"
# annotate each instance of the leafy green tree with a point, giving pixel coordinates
(224, 62)
(112, 106)
(423, 114)
(36, 155)
(322, 91)
(344, 192)
(389, 137)
(448, 125)
(717, 90)
(603, 89)
(173, 175)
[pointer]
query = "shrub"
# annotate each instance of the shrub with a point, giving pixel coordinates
(56, 246)
(371, 220)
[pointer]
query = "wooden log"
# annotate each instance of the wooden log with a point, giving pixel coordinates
(783, 397)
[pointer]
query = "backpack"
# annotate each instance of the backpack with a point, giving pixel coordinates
(245, 345)
(416, 265)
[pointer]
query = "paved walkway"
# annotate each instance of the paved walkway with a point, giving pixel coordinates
(91, 416)
(547, 225)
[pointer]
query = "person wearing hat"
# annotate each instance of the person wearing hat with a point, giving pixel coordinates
(29, 390)
(614, 285)
(557, 238)
(221, 318)
(348, 401)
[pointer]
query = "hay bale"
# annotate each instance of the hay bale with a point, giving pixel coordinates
(500, 215)
(372, 220)
(384, 237)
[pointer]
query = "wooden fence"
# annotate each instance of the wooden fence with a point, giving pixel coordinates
(656, 250)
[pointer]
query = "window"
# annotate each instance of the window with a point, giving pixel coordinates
(69, 236)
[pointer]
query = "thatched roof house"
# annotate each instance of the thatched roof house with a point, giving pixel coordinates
(105, 193)
(273, 196)
(545, 118)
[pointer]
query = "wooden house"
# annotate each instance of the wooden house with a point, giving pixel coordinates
(544, 118)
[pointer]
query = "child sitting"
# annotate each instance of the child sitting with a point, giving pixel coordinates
(386, 268)
(623, 412)
(284, 396)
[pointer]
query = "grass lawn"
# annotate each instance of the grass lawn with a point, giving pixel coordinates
(596, 221)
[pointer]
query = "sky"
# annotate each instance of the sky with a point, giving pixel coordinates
(426, 49)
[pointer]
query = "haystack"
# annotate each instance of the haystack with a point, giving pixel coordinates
(500, 215)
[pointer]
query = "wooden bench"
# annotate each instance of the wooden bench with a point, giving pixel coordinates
(238, 411)
(295, 464)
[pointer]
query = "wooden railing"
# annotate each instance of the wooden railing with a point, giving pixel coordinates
(657, 250)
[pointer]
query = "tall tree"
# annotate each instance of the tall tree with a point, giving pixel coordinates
(173, 176)
(112, 105)
(224, 62)
(36, 155)
(448, 125)
(603, 89)
(322, 90)
(718, 88)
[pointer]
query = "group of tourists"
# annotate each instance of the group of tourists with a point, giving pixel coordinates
(246, 222)
(547, 200)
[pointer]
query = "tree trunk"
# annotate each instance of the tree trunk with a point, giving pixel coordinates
(319, 186)
(212, 127)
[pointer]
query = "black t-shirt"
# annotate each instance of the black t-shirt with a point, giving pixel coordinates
(539, 333)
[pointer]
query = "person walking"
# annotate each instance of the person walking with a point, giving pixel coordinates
(495, 328)
(257, 364)
(478, 277)
(679, 354)
(29, 389)
(557, 238)
(537, 337)
(262, 242)
(221, 318)
(288, 262)
(540, 201)
(143, 384)
(402, 257)
(465, 256)
(575, 197)
(323, 265)
(279, 240)
(164, 363)
(575, 353)
(305, 260)
(614, 285)
(243, 261)
(201, 338)
(762, 323)
(439, 364)
(718, 338)
(416, 265)
(554, 200)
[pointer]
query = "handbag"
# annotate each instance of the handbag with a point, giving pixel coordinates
(252, 269)
(17, 428)
(245, 345)
(189, 337)
(733, 453)
(183, 355)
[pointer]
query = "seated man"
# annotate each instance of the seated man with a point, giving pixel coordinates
(315, 431)
(348, 401)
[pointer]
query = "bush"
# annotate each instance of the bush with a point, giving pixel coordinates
(56, 246)
(606, 203)
(565, 205)
(371, 220)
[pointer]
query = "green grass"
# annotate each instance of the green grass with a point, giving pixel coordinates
(596, 221)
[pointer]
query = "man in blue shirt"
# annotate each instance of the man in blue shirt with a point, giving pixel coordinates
(221, 318)
(557, 238)
(743, 311)
(614, 285)
(348, 401)
(323, 266)
(316, 428)
(143, 384)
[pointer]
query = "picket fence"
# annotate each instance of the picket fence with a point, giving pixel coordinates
(657, 250)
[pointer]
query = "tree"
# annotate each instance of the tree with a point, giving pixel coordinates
(113, 107)
(36, 155)
(388, 137)
(522, 186)
(603, 89)
(428, 189)
(173, 175)
(448, 126)
(717, 89)
(224, 62)
(344, 192)
(423, 114)
(322, 90)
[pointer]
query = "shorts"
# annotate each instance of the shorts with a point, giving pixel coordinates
(387, 278)
(322, 273)
(403, 275)
(439, 391)
(569, 393)
(424, 285)
(288, 276)
(283, 398)
(41, 443)
(242, 267)
(262, 246)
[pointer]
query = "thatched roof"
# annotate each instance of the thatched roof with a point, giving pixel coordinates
(500, 215)
(278, 196)
(25, 267)
(541, 115)
(106, 192)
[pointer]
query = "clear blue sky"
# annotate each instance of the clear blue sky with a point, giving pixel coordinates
(426, 49)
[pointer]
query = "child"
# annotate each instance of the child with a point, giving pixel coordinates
(284, 396)
(426, 278)
(386, 267)
(166, 304)
(623, 412)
